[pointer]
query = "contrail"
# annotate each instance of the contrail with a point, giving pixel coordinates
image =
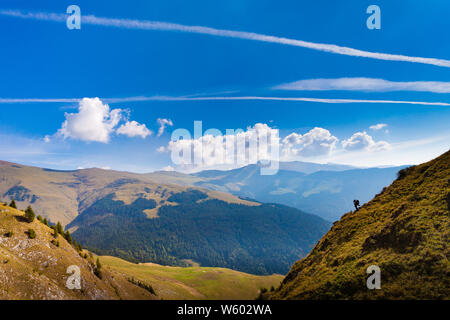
(224, 98)
(166, 26)
(365, 84)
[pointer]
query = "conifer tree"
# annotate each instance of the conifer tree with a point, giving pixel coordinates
(99, 265)
(31, 234)
(29, 214)
(59, 228)
(55, 234)
(68, 237)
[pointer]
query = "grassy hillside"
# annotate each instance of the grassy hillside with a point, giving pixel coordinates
(405, 230)
(193, 282)
(35, 268)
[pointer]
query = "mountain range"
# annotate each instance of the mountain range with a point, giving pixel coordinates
(326, 190)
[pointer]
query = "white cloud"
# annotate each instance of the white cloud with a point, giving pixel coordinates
(134, 129)
(165, 26)
(47, 139)
(168, 168)
(365, 84)
(255, 144)
(162, 125)
(378, 126)
(94, 121)
(363, 141)
(161, 149)
(316, 142)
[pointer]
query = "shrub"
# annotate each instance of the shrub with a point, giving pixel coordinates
(55, 242)
(29, 214)
(98, 269)
(402, 173)
(31, 234)
(12, 204)
(142, 285)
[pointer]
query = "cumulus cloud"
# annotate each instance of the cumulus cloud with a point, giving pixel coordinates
(134, 129)
(94, 121)
(168, 168)
(316, 142)
(366, 84)
(163, 123)
(261, 142)
(235, 148)
(378, 126)
(363, 141)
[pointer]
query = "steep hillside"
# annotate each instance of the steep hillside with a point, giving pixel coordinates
(324, 190)
(260, 239)
(196, 283)
(36, 268)
(405, 230)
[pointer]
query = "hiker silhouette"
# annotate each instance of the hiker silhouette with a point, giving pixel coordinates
(356, 204)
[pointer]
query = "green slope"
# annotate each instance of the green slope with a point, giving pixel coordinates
(405, 230)
(193, 282)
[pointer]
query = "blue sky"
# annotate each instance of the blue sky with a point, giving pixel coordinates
(44, 60)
